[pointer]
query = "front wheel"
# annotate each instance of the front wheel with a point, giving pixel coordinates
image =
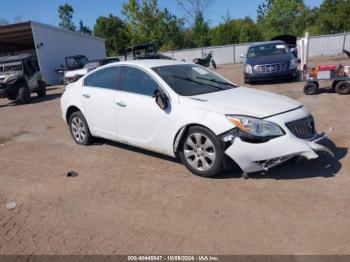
(23, 95)
(79, 129)
(41, 89)
(342, 88)
(201, 152)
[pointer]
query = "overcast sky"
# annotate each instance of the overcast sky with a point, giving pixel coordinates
(89, 10)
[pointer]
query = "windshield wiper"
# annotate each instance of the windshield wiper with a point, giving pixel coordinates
(217, 81)
(198, 82)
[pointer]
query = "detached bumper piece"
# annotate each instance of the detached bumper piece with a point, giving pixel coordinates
(254, 157)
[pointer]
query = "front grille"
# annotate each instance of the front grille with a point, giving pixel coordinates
(269, 68)
(303, 128)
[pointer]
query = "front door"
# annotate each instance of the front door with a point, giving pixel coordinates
(140, 121)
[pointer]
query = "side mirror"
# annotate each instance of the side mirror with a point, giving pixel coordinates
(294, 51)
(242, 56)
(161, 99)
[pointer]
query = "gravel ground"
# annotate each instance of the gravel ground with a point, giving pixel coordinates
(130, 201)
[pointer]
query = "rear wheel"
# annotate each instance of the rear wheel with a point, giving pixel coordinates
(342, 88)
(23, 95)
(41, 89)
(311, 88)
(201, 152)
(79, 129)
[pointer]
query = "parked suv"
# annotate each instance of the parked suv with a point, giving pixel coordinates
(20, 76)
(269, 60)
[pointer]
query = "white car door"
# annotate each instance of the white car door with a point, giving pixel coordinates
(140, 121)
(99, 96)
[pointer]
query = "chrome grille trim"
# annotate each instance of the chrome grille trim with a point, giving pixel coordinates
(303, 128)
(269, 68)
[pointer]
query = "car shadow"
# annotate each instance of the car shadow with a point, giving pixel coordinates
(101, 141)
(325, 166)
(34, 100)
(37, 99)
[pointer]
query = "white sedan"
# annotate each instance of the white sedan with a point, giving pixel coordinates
(187, 111)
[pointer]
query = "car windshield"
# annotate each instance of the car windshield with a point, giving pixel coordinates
(77, 60)
(267, 50)
(190, 80)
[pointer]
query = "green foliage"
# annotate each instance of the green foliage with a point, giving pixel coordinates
(277, 17)
(144, 21)
(114, 30)
(65, 13)
(334, 16)
(84, 29)
(200, 31)
(235, 31)
(147, 23)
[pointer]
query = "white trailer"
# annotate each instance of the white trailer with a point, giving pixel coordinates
(50, 44)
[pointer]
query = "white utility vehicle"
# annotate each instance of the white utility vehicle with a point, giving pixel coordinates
(19, 76)
(186, 110)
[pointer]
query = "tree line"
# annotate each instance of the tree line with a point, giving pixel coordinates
(144, 21)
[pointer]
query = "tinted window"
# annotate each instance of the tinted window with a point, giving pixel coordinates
(136, 81)
(105, 78)
(189, 80)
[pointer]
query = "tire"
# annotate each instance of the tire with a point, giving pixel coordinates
(247, 81)
(23, 95)
(201, 152)
(342, 88)
(311, 88)
(41, 89)
(79, 129)
(334, 83)
(213, 63)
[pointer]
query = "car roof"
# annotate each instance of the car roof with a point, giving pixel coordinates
(7, 59)
(150, 63)
(268, 42)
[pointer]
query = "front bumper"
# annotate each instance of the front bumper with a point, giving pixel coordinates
(254, 157)
(255, 76)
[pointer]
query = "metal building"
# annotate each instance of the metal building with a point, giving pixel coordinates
(50, 44)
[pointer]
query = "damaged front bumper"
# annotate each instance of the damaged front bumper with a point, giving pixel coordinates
(254, 157)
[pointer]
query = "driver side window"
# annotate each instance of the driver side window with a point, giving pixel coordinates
(136, 81)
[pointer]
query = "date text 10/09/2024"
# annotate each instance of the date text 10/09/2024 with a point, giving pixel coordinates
(173, 258)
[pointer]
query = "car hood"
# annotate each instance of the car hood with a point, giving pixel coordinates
(269, 59)
(244, 101)
(6, 76)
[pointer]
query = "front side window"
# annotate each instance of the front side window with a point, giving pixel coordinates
(190, 80)
(137, 81)
(104, 78)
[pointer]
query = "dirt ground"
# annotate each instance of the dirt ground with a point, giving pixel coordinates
(130, 201)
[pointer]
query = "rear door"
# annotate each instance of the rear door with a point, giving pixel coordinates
(99, 96)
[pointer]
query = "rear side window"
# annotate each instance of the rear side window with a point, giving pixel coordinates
(136, 81)
(105, 78)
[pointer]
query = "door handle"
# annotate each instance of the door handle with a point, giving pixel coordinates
(121, 103)
(86, 95)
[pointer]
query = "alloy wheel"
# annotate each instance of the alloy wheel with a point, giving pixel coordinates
(199, 151)
(78, 129)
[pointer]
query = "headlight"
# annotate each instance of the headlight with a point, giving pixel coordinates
(248, 69)
(293, 63)
(256, 127)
